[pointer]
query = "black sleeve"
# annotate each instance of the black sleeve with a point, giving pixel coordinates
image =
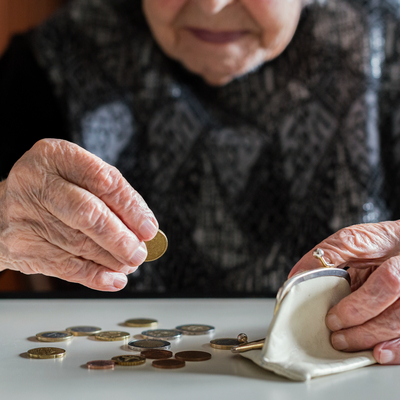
(29, 110)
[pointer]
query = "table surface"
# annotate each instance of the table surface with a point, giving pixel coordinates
(225, 376)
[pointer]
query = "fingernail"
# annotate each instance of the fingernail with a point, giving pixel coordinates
(339, 341)
(140, 255)
(386, 356)
(333, 322)
(120, 281)
(148, 229)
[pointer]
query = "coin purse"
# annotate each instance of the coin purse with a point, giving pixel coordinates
(297, 344)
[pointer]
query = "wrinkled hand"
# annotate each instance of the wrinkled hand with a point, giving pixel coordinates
(369, 318)
(66, 213)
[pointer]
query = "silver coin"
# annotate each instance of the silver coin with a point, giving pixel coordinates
(83, 330)
(166, 334)
(146, 344)
(195, 329)
(54, 336)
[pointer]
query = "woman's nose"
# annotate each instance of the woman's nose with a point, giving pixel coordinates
(213, 6)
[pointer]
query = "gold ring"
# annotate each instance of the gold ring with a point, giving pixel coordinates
(319, 253)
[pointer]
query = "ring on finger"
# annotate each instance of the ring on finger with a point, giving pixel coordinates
(319, 253)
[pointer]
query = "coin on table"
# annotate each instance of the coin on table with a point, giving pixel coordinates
(129, 360)
(46, 352)
(168, 364)
(156, 354)
(100, 364)
(146, 344)
(166, 334)
(224, 343)
(195, 329)
(141, 322)
(193, 356)
(156, 247)
(54, 336)
(83, 330)
(112, 336)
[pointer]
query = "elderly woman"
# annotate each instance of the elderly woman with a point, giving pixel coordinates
(254, 130)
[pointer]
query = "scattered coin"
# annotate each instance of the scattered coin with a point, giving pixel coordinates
(195, 329)
(146, 344)
(112, 336)
(168, 364)
(156, 354)
(193, 356)
(129, 360)
(157, 246)
(83, 330)
(224, 343)
(101, 364)
(141, 323)
(46, 352)
(54, 336)
(166, 334)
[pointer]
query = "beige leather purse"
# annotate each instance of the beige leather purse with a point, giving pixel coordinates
(297, 344)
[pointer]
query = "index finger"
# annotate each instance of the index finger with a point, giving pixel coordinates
(359, 246)
(89, 172)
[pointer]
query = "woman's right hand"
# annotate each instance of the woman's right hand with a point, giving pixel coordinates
(66, 213)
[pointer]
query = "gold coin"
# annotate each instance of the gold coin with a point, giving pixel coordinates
(54, 336)
(129, 360)
(156, 247)
(224, 343)
(46, 352)
(141, 322)
(112, 336)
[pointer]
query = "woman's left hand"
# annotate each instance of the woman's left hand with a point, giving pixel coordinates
(369, 318)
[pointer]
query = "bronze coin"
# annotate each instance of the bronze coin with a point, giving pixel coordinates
(101, 364)
(192, 356)
(156, 354)
(168, 364)
(156, 247)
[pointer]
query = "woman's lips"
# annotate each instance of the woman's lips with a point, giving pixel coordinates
(220, 37)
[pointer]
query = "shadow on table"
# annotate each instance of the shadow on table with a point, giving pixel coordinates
(237, 366)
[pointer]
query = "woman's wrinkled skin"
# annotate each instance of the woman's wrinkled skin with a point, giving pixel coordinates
(268, 25)
(369, 318)
(66, 213)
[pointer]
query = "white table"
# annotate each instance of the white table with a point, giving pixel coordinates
(225, 376)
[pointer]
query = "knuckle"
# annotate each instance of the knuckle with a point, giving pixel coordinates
(107, 179)
(355, 238)
(102, 279)
(125, 246)
(90, 215)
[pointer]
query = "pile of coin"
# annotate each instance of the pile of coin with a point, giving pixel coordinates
(154, 346)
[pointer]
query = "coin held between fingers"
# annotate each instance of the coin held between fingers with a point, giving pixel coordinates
(156, 247)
